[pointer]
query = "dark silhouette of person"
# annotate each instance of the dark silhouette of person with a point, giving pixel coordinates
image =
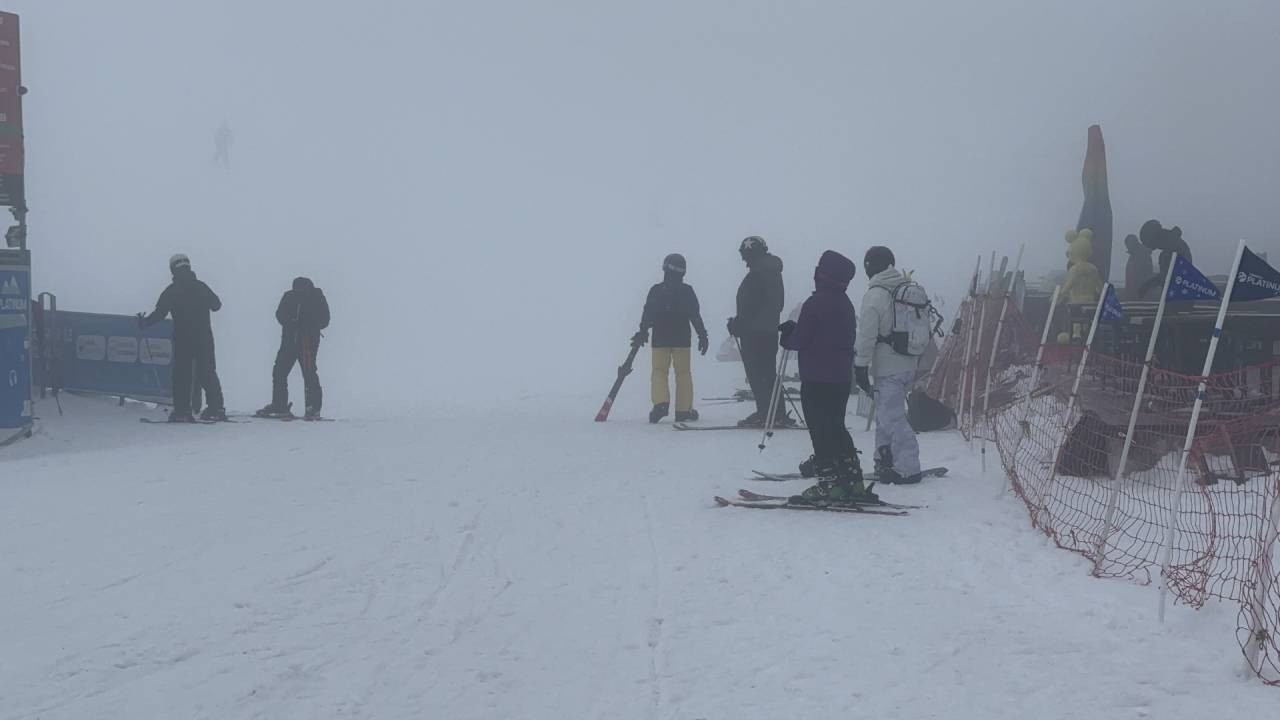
(1137, 269)
(1169, 242)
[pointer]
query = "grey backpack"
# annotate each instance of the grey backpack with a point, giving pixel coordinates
(915, 320)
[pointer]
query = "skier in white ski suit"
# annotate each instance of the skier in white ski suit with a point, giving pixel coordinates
(897, 458)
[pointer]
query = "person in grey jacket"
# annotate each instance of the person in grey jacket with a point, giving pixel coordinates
(897, 458)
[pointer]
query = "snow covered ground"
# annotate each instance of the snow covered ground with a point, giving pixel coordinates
(524, 562)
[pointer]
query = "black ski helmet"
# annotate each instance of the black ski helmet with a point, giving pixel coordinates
(753, 246)
(674, 263)
(877, 260)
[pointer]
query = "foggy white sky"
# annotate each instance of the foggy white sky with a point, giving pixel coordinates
(486, 189)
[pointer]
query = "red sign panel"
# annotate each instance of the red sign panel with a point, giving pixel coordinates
(10, 74)
(11, 153)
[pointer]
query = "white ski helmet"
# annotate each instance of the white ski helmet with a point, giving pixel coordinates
(178, 261)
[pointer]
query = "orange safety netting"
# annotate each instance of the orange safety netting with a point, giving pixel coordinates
(1062, 458)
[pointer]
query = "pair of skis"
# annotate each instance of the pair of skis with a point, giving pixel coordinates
(196, 421)
(869, 477)
(239, 419)
(686, 426)
(291, 418)
(778, 502)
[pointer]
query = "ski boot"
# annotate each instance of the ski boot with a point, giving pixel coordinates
(808, 468)
(312, 413)
(889, 476)
(275, 411)
(659, 411)
(175, 417)
(839, 483)
(883, 459)
(754, 420)
(785, 421)
(214, 415)
(687, 415)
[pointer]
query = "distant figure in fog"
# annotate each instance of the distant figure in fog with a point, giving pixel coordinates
(1169, 242)
(222, 139)
(1138, 269)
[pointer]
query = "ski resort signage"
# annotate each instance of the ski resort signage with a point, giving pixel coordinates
(11, 149)
(15, 346)
(108, 355)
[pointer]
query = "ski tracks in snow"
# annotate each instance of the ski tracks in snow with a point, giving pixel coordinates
(655, 617)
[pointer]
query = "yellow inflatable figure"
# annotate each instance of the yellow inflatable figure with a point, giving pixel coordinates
(1083, 284)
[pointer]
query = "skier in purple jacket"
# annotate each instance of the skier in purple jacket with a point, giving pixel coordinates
(823, 338)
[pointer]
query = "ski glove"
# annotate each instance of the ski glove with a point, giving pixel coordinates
(640, 338)
(703, 344)
(732, 326)
(785, 330)
(861, 378)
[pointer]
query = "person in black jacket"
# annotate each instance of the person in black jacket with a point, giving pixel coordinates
(190, 301)
(303, 312)
(760, 300)
(669, 310)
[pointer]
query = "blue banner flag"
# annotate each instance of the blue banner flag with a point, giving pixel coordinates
(1112, 311)
(1188, 283)
(1255, 280)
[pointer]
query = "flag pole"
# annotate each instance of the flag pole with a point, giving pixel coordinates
(968, 344)
(1071, 401)
(1170, 529)
(1035, 381)
(1113, 496)
(973, 366)
(1035, 372)
(995, 344)
(1264, 577)
(1084, 357)
(982, 331)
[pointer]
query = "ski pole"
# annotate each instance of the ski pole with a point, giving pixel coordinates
(775, 397)
(146, 341)
(795, 407)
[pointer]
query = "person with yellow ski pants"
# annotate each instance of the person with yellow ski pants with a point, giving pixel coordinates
(669, 311)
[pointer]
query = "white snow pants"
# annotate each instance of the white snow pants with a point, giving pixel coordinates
(892, 428)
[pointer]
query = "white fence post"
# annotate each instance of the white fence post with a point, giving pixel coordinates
(1113, 497)
(1171, 530)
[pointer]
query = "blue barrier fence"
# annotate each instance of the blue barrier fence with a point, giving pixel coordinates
(108, 354)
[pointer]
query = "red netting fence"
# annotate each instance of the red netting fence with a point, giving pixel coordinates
(1063, 458)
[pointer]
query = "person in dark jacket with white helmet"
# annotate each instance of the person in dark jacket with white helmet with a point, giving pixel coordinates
(759, 308)
(669, 310)
(302, 313)
(190, 301)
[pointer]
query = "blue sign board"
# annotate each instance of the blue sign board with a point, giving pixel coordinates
(108, 354)
(15, 346)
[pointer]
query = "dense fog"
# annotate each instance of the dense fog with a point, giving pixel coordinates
(485, 190)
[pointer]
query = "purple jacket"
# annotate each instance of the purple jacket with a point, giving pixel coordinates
(825, 332)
